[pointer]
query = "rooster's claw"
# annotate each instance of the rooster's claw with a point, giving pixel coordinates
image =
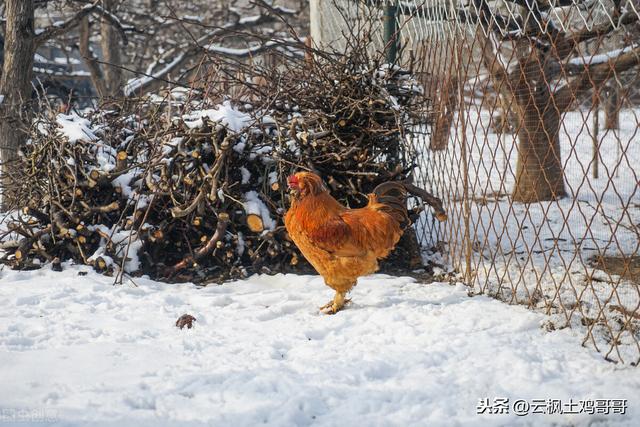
(335, 305)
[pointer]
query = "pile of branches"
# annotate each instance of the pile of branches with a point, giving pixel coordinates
(344, 117)
(187, 200)
(199, 194)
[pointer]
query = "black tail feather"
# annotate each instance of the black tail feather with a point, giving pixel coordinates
(393, 194)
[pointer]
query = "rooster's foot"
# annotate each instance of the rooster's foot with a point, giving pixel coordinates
(336, 304)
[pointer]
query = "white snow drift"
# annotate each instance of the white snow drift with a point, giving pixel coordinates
(76, 350)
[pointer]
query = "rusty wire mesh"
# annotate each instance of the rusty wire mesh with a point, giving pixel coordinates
(534, 145)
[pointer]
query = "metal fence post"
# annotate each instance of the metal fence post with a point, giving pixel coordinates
(390, 36)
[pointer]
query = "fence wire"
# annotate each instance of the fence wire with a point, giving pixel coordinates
(534, 146)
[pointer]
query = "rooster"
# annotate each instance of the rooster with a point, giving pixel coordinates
(343, 244)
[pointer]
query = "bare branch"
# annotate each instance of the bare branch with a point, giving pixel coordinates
(178, 57)
(58, 29)
(567, 44)
(595, 74)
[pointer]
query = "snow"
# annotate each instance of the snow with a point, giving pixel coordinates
(126, 242)
(124, 181)
(601, 57)
(224, 113)
(67, 61)
(253, 50)
(67, 74)
(254, 205)
(240, 248)
(75, 128)
(77, 350)
(239, 147)
(195, 18)
(246, 175)
(39, 58)
(273, 177)
(236, 51)
(134, 85)
(249, 19)
(100, 253)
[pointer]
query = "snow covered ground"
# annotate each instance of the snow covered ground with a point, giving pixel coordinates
(76, 350)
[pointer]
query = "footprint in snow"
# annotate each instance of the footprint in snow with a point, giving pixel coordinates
(30, 300)
(273, 312)
(316, 334)
(174, 301)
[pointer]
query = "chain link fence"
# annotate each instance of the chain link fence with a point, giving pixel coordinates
(533, 145)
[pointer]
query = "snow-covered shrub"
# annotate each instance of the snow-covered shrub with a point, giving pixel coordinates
(132, 190)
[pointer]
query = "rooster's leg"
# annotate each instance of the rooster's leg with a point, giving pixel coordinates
(335, 305)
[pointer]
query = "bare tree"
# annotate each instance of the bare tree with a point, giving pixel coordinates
(15, 82)
(539, 70)
(177, 36)
(612, 108)
(139, 46)
(22, 40)
(111, 52)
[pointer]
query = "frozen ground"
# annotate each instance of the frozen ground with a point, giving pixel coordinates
(76, 350)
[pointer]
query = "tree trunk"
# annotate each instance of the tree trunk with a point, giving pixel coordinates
(447, 101)
(111, 52)
(612, 109)
(539, 172)
(15, 83)
(84, 46)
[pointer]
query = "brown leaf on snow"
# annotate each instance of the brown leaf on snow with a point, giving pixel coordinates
(185, 320)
